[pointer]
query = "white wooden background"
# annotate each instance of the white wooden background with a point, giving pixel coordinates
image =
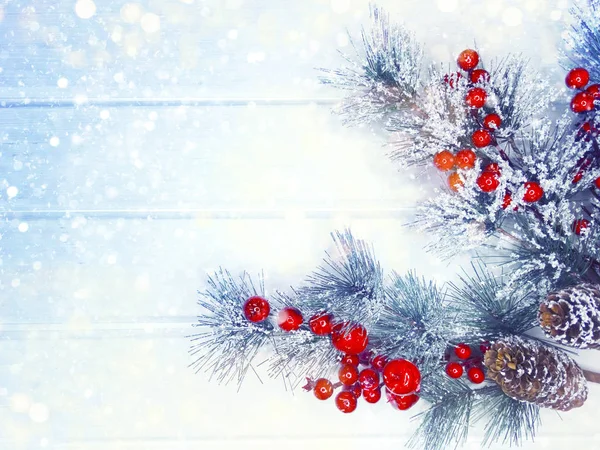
(117, 201)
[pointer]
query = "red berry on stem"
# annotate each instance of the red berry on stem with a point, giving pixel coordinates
(481, 138)
(492, 121)
(289, 319)
(492, 168)
(349, 338)
(444, 160)
(488, 182)
(476, 375)
(404, 402)
(323, 389)
(453, 78)
(350, 359)
(582, 102)
(597, 182)
(320, 324)
(507, 201)
(348, 374)
(401, 377)
(454, 370)
(368, 379)
(594, 91)
(577, 78)
(578, 176)
(455, 181)
(476, 98)
(256, 309)
(465, 159)
(580, 225)
(479, 75)
(468, 59)
(371, 395)
(533, 192)
(379, 362)
(346, 401)
(463, 351)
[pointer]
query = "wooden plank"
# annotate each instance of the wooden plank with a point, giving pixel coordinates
(261, 48)
(193, 158)
(140, 394)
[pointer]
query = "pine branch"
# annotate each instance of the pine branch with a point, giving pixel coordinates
(583, 45)
(227, 344)
(349, 284)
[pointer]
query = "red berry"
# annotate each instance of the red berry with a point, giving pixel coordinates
(492, 121)
(320, 324)
(256, 309)
(452, 78)
(465, 159)
(401, 377)
(404, 402)
(454, 370)
(492, 168)
(506, 202)
(289, 319)
(351, 339)
(346, 401)
(368, 379)
(455, 181)
(488, 182)
(371, 395)
(323, 389)
(468, 59)
(578, 176)
(350, 359)
(476, 98)
(479, 75)
(597, 182)
(379, 362)
(481, 138)
(463, 351)
(580, 225)
(476, 375)
(577, 78)
(594, 91)
(444, 160)
(533, 192)
(582, 102)
(348, 374)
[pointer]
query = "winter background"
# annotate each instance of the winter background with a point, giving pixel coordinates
(143, 144)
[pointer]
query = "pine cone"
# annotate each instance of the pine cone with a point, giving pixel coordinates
(530, 371)
(572, 316)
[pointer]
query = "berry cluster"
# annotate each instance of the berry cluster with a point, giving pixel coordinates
(400, 377)
(588, 97)
(463, 357)
(487, 123)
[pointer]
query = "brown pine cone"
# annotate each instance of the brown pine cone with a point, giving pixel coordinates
(530, 371)
(572, 316)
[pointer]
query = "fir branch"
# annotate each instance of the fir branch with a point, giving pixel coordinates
(446, 423)
(487, 310)
(349, 284)
(384, 76)
(227, 344)
(414, 323)
(583, 45)
(509, 421)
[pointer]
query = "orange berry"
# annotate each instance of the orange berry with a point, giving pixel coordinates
(323, 389)
(455, 181)
(465, 159)
(444, 160)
